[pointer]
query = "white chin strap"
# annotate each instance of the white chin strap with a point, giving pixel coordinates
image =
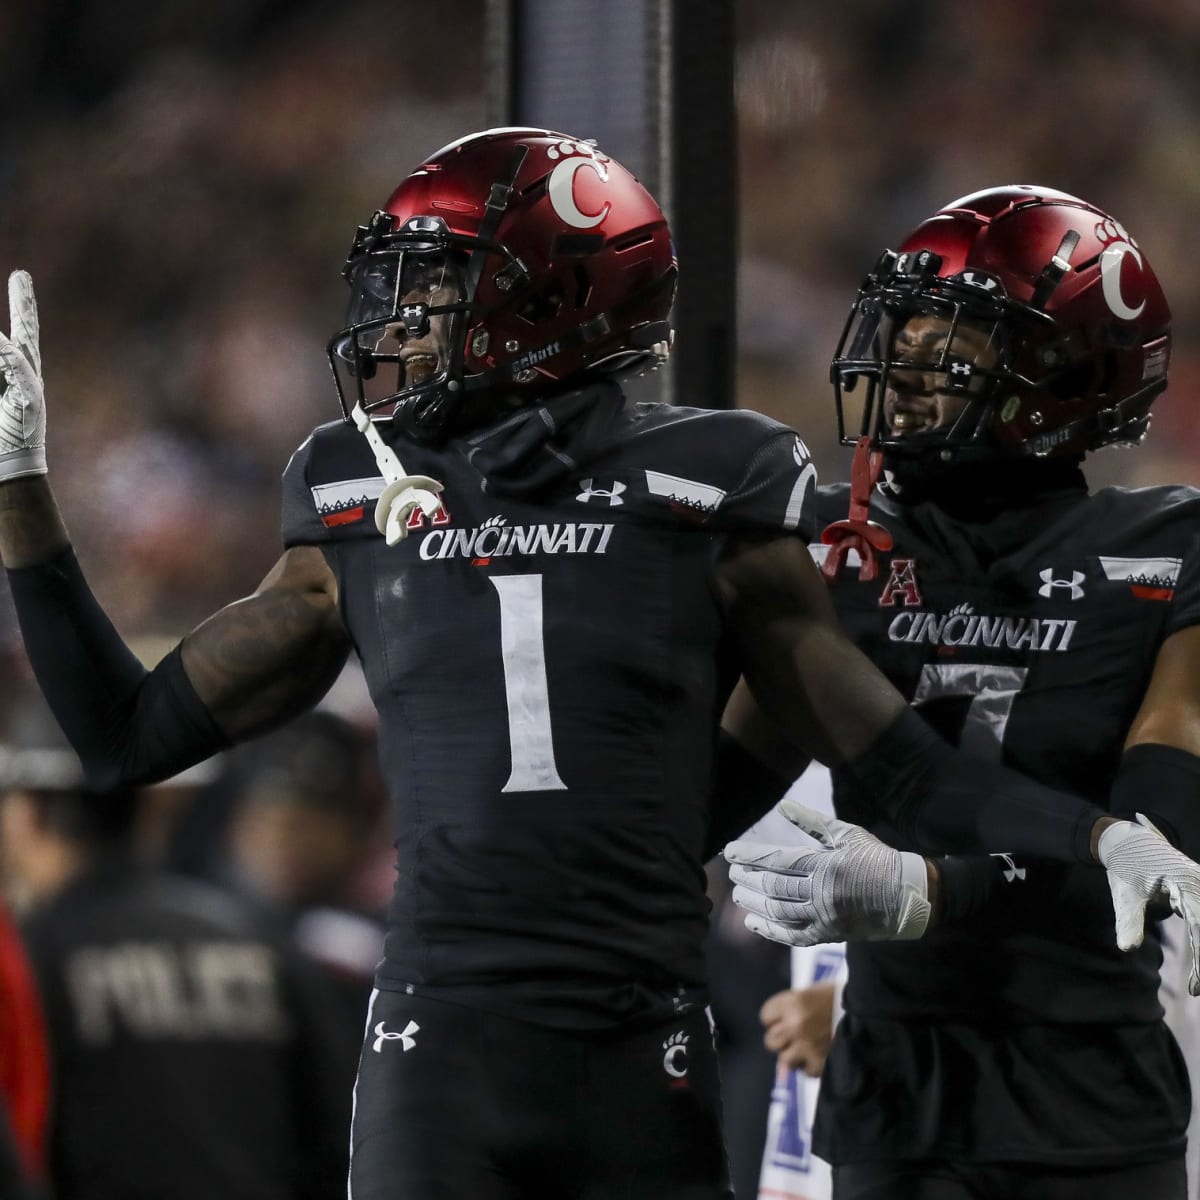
(403, 492)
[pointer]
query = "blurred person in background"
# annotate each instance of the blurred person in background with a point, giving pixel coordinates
(304, 809)
(24, 1065)
(547, 735)
(1014, 1049)
(191, 1054)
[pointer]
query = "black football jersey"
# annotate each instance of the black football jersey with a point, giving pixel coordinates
(1028, 640)
(549, 672)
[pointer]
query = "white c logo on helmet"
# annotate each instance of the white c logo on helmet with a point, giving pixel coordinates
(1111, 259)
(561, 190)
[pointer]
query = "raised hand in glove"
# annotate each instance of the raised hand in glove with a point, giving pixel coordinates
(22, 406)
(1143, 866)
(850, 887)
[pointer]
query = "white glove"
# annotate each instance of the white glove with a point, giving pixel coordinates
(852, 888)
(22, 405)
(1142, 866)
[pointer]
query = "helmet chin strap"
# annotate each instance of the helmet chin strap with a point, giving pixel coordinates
(403, 492)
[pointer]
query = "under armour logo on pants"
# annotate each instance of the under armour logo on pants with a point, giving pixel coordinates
(405, 1037)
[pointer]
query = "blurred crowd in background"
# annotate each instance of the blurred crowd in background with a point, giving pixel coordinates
(183, 181)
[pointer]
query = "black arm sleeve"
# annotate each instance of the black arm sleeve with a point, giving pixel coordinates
(966, 883)
(1163, 782)
(744, 790)
(945, 801)
(128, 725)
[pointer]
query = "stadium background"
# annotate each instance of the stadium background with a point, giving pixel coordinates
(183, 180)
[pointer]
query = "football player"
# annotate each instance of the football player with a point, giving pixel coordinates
(1013, 1050)
(551, 592)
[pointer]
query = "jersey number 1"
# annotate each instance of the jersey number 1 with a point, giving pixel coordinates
(523, 652)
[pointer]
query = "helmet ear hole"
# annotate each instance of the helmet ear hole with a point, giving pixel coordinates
(543, 305)
(1078, 379)
(583, 286)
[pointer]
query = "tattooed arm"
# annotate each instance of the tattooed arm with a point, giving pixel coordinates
(267, 658)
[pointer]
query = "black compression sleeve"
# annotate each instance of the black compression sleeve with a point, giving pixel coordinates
(1164, 783)
(946, 801)
(966, 883)
(744, 789)
(128, 725)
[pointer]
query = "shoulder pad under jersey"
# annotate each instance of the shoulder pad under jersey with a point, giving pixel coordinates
(331, 483)
(725, 469)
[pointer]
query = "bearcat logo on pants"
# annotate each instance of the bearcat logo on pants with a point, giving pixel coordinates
(675, 1060)
(962, 626)
(495, 538)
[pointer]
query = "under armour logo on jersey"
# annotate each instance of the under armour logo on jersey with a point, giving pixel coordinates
(1049, 583)
(675, 1059)
(612, 495)
(405, 1037)
(888, 485)
(1011, 870)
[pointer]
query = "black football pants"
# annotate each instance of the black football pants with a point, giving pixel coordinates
(975, 1181)
(453, 1103)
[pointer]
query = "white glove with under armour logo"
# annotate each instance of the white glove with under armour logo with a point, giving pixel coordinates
(853, 887)
(22, 405)
(1143, 866)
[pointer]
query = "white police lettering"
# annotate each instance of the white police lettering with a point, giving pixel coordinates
(494, 539)
(963, 627)
(157, 990)
(1118, 245)
(560, 187)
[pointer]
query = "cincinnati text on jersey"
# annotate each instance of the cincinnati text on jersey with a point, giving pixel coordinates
(962, 626)
(496, 540)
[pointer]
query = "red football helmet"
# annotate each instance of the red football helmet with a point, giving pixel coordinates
(544, 259)
(1076, 327)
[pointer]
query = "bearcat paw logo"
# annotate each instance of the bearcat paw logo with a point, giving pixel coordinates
(675, 1059)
